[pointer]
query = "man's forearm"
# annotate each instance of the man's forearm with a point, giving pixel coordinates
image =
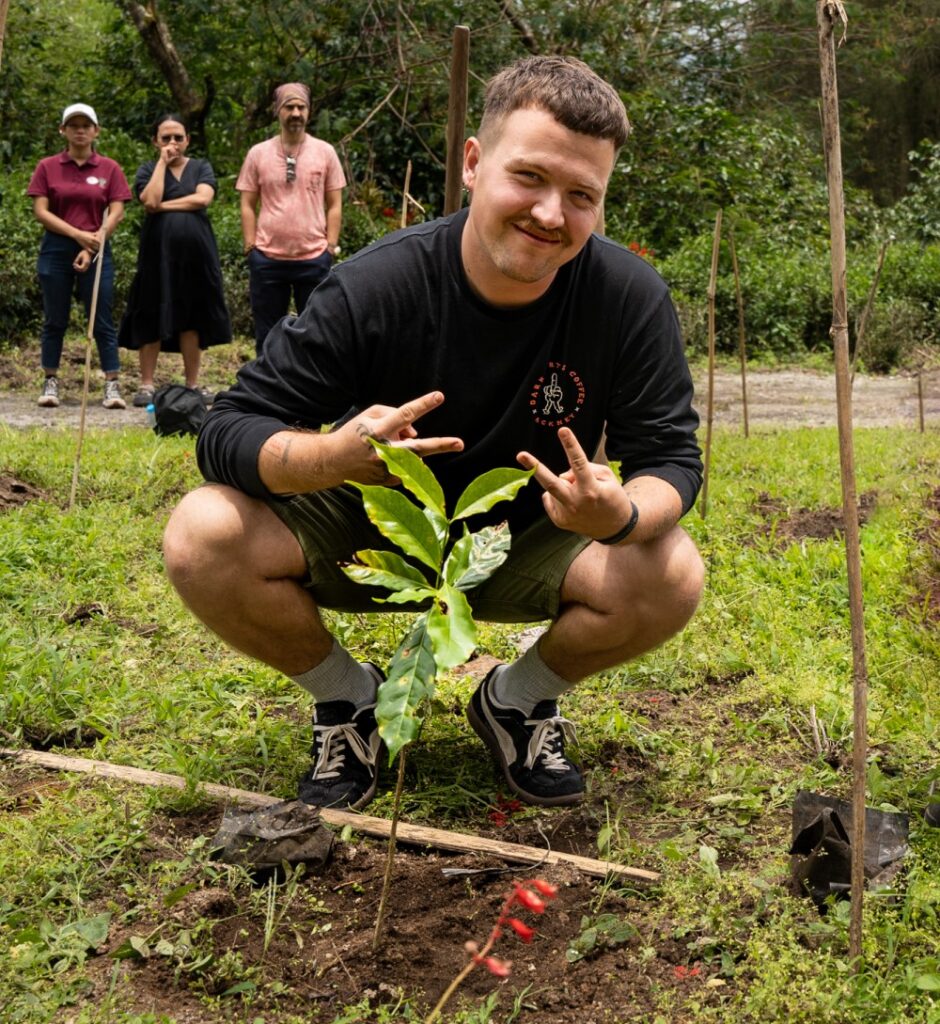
(658, 504)
(298, 462)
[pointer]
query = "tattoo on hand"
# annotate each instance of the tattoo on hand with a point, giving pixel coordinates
(364, 433)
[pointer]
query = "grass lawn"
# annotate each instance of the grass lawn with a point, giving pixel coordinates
(694, 755)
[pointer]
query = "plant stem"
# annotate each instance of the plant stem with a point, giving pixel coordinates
(449, 991)
(390, 860)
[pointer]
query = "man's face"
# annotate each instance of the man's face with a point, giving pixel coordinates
(536, 191)
(293, 115)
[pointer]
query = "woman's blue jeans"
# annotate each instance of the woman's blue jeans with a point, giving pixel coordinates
(59, 282)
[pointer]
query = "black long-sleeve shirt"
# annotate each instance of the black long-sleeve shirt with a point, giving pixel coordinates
(397, 320)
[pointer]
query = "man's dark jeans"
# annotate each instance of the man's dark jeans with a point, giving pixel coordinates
(58, 282)
(271, 283)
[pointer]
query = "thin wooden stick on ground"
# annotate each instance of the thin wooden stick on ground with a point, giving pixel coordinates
(414, 835)
(829, 13)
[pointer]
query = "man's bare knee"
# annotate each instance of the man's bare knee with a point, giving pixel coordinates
(217, 533)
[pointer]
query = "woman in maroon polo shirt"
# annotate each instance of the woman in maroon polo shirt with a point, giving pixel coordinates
(70, 193)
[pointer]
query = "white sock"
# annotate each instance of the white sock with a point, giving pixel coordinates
(527, 681)
(339, 677)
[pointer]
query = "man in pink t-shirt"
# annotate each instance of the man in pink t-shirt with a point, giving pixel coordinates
(291, 209)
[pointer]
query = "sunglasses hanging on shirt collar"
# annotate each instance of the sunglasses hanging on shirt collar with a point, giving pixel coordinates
(291, 168)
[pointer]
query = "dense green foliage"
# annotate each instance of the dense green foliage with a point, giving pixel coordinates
(723, 97)
(715, 725)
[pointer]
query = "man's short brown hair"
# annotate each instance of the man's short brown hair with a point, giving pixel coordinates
(564, 87)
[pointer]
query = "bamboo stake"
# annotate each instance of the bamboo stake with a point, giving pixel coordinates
(742, 342)
(456, 119)
(416, 835)
(90, 333)
(712, 288)
(920, 399)
(406, 195)
(829, 12)
(866, 312)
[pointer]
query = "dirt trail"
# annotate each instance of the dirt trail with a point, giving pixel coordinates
(784, 398)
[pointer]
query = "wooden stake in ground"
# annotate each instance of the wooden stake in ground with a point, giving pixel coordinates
(4, 10)
(456, 119)
(712, 288)
(99, 263)
(828, 14)
(920, 400)
(406, 196)
(866, 312)
(742, 338)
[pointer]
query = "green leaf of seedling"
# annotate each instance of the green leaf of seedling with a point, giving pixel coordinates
(386, 569)
(489, 489)
(92, 930)
(451, 628)
(927, 982)
(440, 525)
(410, 680)
(615, 468)
(132, 948)
(489, 548)
(403, 523)
(414, 475)
(180, 892)
(240, 988)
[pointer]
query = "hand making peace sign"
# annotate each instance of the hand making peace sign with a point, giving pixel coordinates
(586, 498)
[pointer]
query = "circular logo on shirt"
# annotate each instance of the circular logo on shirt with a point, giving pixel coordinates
(556, 396)
(92, 180)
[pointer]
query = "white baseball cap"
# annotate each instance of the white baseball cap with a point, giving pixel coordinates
(79, 108)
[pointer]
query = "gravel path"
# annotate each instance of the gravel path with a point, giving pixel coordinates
(775, 399)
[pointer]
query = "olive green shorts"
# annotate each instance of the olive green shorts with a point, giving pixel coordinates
(332, 525)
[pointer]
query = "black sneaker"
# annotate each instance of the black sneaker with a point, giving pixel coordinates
(530, 750)
(345, 753)
(932, 815)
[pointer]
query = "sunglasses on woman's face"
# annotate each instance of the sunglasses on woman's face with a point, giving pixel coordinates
(291, 168)
(172, 138)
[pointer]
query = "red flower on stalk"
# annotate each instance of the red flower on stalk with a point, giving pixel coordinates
(522, 930)
(683, 973)
(522, 895)
(500, 968)
(528, 899)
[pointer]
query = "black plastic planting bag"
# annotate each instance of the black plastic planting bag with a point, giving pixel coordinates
(289, 831)
(178, 409)
(822, 846)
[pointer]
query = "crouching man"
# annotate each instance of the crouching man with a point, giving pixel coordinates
(506, 333)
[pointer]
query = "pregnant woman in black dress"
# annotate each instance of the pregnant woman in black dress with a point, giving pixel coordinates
(176, 301)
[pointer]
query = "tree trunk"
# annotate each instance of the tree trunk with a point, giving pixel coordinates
(155, 33)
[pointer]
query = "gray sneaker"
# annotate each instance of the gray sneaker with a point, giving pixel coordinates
(112, 396)
(49, 396)
(144, 396)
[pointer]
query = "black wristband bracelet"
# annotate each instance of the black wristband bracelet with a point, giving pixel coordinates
(617, 537)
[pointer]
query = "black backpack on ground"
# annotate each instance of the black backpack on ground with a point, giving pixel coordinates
(178, 409)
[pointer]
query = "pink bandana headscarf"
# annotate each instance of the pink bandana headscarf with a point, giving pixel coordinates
(290, 91)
